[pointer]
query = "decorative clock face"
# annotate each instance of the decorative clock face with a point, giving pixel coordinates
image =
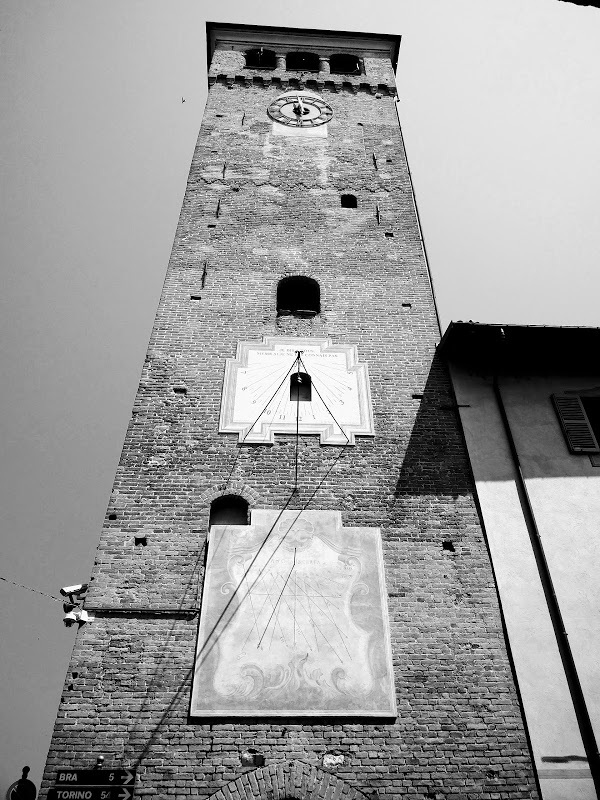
(262, 394)
(300, 109)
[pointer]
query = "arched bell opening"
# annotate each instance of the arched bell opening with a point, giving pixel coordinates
(344, 64)
(261, 58)
(302, 62)
(299, 296)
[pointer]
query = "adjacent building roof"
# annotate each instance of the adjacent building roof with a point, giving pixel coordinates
(595, 3)
(537, 348)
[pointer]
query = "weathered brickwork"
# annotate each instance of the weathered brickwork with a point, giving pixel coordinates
(258, 208)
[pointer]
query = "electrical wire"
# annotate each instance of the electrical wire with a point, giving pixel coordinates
(30, 589)
(329, 411)
(251, 428)
(298, 361)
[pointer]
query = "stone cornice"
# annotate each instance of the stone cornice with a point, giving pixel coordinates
(285, 81)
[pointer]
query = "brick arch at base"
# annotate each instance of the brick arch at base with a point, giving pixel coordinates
(239, 488)
(289, 780)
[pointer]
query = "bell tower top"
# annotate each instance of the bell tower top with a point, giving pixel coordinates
(252, 51)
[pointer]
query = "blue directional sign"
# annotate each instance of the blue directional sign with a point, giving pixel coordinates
(94, 777)
(93, 784)
(90, 793)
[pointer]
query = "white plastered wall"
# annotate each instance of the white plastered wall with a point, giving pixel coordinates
(566, 502)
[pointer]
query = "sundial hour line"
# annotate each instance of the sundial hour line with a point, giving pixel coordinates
(327, 408)
(279, 598)
(316, 627)
(273, 372)
(309, 614)
(315, 593)
(267, 369)
(274, 364)
(293, 614)
(249, 596)
(280, 399)
(324, 612)
(262, 391)
(326, 378)
(270, 413)
(283, 598)
(251, 427)
(267, 597)
(223, 621)
(335, 365)
(326, 366)
(275, 623)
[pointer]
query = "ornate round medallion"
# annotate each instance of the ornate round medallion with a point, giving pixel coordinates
(300, 109)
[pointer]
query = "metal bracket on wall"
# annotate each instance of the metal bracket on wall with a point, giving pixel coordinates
(115, 611)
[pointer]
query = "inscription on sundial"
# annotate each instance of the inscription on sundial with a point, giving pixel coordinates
(294, 620)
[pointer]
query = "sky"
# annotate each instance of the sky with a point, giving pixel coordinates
(500, 109)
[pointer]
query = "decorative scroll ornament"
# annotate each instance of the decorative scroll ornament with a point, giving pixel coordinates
(294, 620)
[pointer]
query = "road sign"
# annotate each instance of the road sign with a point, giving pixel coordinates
(90, 793)
(94, 777)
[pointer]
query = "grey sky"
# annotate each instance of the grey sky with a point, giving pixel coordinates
(500, 104)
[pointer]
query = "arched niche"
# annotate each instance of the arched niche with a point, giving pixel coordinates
(298, 296)
(302, 62)
(228, 509)
(260, 58)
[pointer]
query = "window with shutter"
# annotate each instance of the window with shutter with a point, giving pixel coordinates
(577, 425)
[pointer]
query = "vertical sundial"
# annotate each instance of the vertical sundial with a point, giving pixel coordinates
(256, 391)
(294, 620)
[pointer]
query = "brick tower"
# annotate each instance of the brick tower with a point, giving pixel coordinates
(292, 594)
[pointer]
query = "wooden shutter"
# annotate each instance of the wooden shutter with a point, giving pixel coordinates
(574, 422)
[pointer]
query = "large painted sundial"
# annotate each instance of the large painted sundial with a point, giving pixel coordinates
(256, 392)
(294, 620)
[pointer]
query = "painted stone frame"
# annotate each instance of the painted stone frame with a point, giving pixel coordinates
(294, 620)
(256, 401)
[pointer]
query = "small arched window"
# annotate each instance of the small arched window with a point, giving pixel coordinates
(261, 58)
(344, 64)
(299, 296)
(300, 387)
(229, 509)
(349, 201)
(302, 62)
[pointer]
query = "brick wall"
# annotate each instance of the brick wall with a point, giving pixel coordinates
(459, 732)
